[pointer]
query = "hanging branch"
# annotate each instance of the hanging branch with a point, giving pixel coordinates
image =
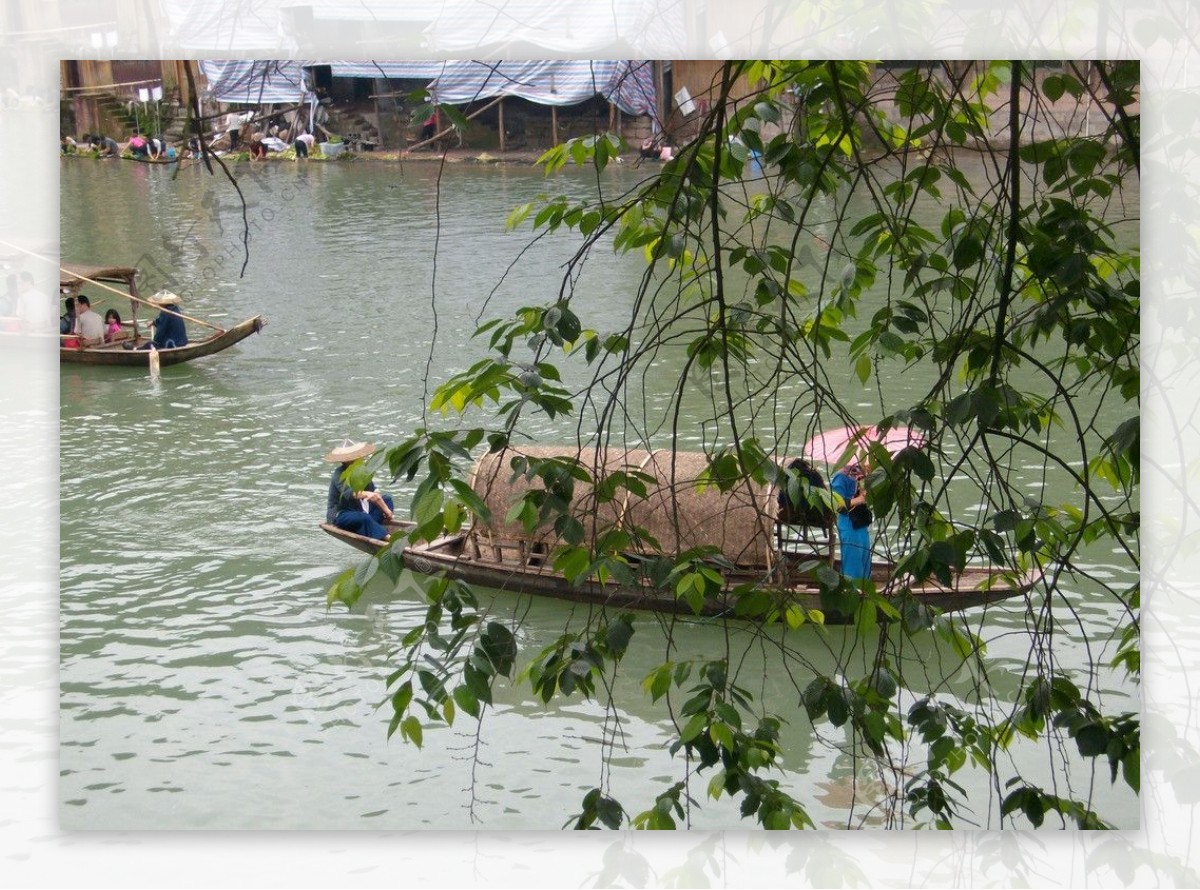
(206, 152)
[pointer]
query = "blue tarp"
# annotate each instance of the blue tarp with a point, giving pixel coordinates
(255, 82)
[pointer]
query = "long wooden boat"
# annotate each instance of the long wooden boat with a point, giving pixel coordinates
(764, 549)
(73, 278)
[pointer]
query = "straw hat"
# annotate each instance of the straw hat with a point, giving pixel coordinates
(349, 451)
(165, 298)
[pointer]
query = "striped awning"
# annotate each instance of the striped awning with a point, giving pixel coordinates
(627, 84)
(255, 82)
(425, 71)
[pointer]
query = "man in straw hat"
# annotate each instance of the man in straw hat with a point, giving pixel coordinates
(169, 328)
(363, 512)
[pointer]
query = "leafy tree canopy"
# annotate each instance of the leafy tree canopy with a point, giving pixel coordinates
(968, 225)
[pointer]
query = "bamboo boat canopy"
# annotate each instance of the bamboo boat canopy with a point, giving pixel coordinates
(73, 276)
(675, 511)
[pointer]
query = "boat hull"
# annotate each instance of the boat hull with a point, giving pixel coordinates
(117, 354)
(449, 555)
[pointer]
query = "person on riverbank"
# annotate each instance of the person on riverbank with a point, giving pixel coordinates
(169, 329)
(105, 146)
(139, 147)
(88, 325)
(233, 126)
(303, 144)
(258, 150)
(853, 522)
(430, 126)
(365, 512)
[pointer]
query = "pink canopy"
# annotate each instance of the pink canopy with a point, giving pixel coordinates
(850, 443)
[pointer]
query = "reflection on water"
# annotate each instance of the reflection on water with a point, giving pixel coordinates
(203, 682)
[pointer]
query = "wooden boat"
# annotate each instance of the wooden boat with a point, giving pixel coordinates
(763, 548)
(73, 278)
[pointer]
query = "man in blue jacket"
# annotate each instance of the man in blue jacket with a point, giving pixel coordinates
(169, 329)
(364, 512)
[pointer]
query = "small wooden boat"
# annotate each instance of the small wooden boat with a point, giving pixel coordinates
(759, 547)
(125, 351)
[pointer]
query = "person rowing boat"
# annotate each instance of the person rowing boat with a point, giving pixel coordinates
(365, 511)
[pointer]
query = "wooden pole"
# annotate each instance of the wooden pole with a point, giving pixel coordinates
(378, 122)
(501, 113)
(450, 129)
(554, 125)
(106, 287)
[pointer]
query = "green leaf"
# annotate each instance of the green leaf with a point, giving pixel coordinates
(411, 729)
(466, 700)
(862, 368)
(658, 682)
(1092, 740)
(499, 647)
(694, 727)
(610, 813)
(618, 634)
(721, 735)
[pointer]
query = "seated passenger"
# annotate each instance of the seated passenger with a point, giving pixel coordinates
(364, 512)
(66, 321)
(88, 325)
(799, 479)
(112, 326)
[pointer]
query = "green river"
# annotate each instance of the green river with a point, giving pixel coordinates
(204, 684)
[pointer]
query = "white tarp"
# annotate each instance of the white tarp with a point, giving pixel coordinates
(254, 82)
(627, 84)
(651, 28)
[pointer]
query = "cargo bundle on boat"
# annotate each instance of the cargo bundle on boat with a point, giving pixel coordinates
(758, 543)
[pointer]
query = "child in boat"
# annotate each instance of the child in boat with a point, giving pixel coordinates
(112, 326)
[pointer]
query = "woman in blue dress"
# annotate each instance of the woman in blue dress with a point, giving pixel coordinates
(854, 520)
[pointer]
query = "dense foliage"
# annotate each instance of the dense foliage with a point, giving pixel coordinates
(965, 224)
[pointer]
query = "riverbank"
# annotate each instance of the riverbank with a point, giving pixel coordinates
(449, 156)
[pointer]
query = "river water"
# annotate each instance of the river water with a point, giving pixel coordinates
(204, 684)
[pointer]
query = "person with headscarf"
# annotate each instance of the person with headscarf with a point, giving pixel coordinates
(853, 522)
